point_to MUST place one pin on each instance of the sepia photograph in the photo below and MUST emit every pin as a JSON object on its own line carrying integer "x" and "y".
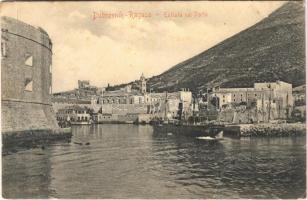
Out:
{"x": 153, "y": 100}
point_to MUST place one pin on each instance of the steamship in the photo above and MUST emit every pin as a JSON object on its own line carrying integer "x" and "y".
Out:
{"x": 183, "y": 127}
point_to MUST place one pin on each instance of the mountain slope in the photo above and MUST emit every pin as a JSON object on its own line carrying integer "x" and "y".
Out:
{"x": 273, "y": 49}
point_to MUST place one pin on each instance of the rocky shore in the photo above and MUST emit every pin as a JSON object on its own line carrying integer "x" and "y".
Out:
{"x": 266, "y": 130}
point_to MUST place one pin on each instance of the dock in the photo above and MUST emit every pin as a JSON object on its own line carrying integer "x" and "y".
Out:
{"x": 265, "y": 130}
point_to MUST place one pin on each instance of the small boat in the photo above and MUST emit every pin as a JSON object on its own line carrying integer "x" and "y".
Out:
{"x": 219, "y": 136}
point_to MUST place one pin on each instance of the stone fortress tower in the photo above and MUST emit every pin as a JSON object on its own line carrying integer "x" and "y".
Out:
{"x": 26, "y": 78}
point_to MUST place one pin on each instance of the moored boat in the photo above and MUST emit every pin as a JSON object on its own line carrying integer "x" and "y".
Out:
{"x": 180, "y": 125}
{"x": 201, "y": 130}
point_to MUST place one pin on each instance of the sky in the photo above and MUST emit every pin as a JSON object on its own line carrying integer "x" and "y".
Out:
{"x": 115, "y": 42}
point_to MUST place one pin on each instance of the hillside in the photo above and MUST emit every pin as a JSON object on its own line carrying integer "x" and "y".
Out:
{"x": 273, "y": 49}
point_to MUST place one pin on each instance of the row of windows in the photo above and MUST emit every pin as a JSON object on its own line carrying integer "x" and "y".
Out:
{"x": 82, "y": 118}
{"x": 241, "y": 95}
{"x": 78, "y": 118}
{"x": 72, "y": 111}
{"x": 124, "y": 101}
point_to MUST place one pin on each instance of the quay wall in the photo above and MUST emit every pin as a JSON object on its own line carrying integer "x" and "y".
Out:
{"x": 26, "y": 78}
{"x": 266, "y": 130}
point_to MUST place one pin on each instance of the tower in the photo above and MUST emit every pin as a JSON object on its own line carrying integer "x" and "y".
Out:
{"x": 26, "y": 78}
{"x": 143, "y": 84}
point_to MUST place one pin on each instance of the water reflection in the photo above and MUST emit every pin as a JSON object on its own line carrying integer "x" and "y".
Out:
{"x": 128, "y": 161}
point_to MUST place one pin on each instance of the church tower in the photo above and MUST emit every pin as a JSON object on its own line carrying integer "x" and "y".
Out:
{"x": 143, "y": 84}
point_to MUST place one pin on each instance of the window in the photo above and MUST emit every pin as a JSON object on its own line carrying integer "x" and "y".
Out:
{"x": 50, "y": 68}
{"x": 29, "y": 61}
{"x": 29, "y": 85}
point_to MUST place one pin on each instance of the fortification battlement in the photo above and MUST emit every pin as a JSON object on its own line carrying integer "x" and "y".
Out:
{"x": 21, "y": 29}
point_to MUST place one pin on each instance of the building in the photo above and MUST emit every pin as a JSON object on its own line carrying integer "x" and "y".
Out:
{"x": 126, "y": 95}
{"x": 122, "y": 96}
{"x": 272, "y": 100}
{"x": 59, "y": 103}
{"x": 72, "y": 114}
{"x": 143, "y": 87}
{"x": 85, "y": 95}
{"x": 84, "y": 91}
{"x": 26, "y": 77}
{"x": 105, "y": 118}
{"x": 299, "y": 95}
{"x": 279, "y": 94}
{"x": 128, "y": 101}
{"x": 171, "y": 105}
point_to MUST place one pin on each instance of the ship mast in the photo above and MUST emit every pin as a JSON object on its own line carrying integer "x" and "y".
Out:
{"x": 165, "y": 109}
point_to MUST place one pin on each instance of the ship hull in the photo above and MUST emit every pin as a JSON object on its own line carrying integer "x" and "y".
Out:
{"x": 188, "y": 130}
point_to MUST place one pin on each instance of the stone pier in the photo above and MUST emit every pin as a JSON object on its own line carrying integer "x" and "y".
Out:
{"x": 265, "y": 130}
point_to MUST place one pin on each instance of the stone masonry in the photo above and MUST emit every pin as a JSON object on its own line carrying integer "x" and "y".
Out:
{"x": 26, "y": 77}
